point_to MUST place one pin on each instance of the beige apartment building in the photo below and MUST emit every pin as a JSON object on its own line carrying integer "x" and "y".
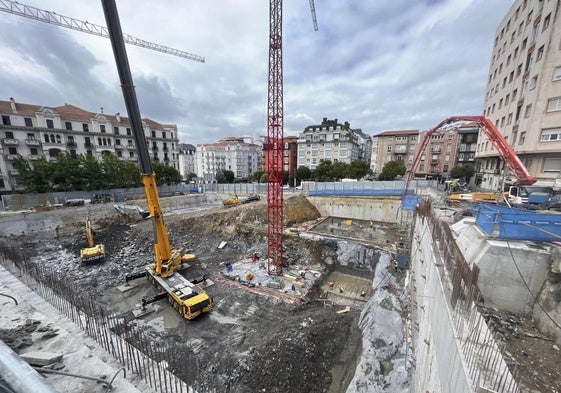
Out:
{"x": 398, "y": 145}
{"x": 523, "y": 96}
{"x": 34, "y": 131}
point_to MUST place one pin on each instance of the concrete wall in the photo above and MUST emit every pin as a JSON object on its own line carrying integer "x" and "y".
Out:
{"x": 505, "y": 267}
{"x": 382, "y": 209}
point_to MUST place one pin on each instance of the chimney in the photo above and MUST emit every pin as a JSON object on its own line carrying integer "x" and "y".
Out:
{"x": 13, "y": 105}
{"x": 101, "y": 110}
{"x": 118, "y": 117}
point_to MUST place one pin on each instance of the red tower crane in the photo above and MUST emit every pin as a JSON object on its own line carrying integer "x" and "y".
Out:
{"x": 274, "y": 146}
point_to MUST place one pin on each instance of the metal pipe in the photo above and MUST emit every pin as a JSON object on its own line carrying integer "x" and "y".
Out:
{"x": 51, "y": 371}
{"x": 19, "y": 375}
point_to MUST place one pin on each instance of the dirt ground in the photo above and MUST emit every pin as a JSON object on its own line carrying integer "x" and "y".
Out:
{"x": 249, "y": 342}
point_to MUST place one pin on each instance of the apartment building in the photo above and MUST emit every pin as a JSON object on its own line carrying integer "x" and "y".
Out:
{"x": 397, "y": 145}
{"x": 332, "y": 141}
{"x": 237, "y": 154}
{"x": 523, "y": 96}
{"x": 186, "y": 159}
{"x": 34, "y": 132}
{"x": 442, "y": 151}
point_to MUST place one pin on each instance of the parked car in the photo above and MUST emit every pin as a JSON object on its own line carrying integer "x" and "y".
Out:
{"x": 555, "y": 203}
{"x": 251, "y": 198}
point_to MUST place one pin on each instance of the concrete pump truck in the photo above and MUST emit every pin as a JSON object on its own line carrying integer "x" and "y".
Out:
{"x": 188, "y": 298}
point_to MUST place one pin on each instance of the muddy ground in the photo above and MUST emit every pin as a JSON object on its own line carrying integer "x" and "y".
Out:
{"x": 249, "y": 342}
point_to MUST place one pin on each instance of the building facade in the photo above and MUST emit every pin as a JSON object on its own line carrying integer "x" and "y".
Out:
{"x": 33, "y": 132}
{"x": 398, "y": 145}
{"x": 237, "y": 154}
{"x": 186, "y": 159}
{"x": 523, "y": 96}
{"x": 440, "y": 154}
{"x": 329, "y": 140}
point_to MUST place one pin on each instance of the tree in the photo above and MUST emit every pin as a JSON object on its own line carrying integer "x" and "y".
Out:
{"x": 359, "y": 169}
{"x": 257, "y": 175}
{"x": 391, "y": 170}
{"x": 166, "y": 174}
{"x": 303, "y": 173}
{"x": 463, "y": 171}
{"x": 191, "y": 176}
{"x": 37, "y": 178}
{"x": 323, "y": 170}
{"x": 264, "y": 177}
{"x": 221, "y": 178}
{"x": 230, "y": 176}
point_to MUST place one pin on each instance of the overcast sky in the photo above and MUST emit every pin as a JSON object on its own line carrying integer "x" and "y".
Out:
{"x": 378, "y": 64}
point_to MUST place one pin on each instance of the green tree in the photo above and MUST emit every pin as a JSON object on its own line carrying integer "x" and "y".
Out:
{"x": 38, "y": 178}
{"x": 221, "y": 177}
{"x": 359, "y": 169}
{"x": 323, "y": 170}
{"x": 230, "y": 176}
{"x": 68, "y": 175}
{"x": 166, "y": 174}
{"x": 191, "y": 176}
{"x": 257, "y": 175}
{"x": 463, "y": 171}
{"x": 92, "y": 172}
{"x": 303, "y": 173}
{"x": 391, "y": 170}
{"x": 339, "y": 170}
{"x": 264, "y": 177}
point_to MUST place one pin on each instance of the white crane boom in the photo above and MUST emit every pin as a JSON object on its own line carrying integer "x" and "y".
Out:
{"x": 15, "y": 8}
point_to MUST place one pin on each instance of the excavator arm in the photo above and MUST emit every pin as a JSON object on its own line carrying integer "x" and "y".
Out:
{"x": 89, "y": 233}
{"x": 507, "y": 153}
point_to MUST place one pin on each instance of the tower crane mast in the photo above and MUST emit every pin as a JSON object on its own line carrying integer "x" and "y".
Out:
{"x": 27, "y": 11}
{"x": 275, "y": 139}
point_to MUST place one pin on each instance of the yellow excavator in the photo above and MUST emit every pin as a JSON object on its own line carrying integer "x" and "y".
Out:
{"x": 92, "y": 253}
{"x": 187, "y": 297}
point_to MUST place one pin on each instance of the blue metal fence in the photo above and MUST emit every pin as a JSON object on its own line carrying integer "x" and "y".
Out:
{"x": 511, "y": 223}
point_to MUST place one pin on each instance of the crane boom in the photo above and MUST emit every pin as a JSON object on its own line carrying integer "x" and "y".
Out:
{"x": 314, "y": 18}
{"x": 507, "y": 153}
{"x": 27, "y": 11}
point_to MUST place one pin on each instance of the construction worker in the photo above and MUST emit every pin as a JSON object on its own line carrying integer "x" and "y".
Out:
{"x": 362, "y": 293}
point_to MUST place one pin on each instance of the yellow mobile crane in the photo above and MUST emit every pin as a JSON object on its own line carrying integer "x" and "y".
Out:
{"x": 92, "y": 253}
{"x": 189, "y": 299}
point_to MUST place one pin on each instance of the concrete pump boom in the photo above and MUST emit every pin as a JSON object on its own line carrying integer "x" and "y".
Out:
{"x": 508, "y": 154}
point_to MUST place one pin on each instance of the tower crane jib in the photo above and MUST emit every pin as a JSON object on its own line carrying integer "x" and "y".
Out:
{"x": 26, "y": 11}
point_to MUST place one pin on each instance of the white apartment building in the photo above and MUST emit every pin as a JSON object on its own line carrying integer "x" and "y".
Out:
{"x": 332, "y": 141}
{"x": 186, "y": 159}
{"x": 523, "y": 96}
{"x": 33, "y": 131}
{"x": 237, "y": 154}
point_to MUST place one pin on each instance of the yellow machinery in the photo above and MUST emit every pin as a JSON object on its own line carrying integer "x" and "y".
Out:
{"x": 232, "y": 202}
{"x": 92, "y": 253}
{"x": 475, "y": 196}
{"x": 189, "y": 299}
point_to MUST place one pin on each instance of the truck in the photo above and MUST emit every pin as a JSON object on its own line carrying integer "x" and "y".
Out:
{"x": 188, "y": 298}
{"x": 512, "y": 194}
{"x": 93, "y": 252}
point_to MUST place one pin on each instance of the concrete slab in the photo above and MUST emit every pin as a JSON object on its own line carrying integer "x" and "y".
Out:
{"x": 41, "y": 358}
{"x": 127, "y": 287}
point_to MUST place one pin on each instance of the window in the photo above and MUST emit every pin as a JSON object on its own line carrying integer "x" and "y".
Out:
{"x": 68, "y": 125}
{"x": 389, "y": 149}
{"x": 154, "y": 135}
{"x": 514, "y": 92}
{"x": 557, "y": 73}
{"x": 46, "y": 138}
{"x": 28, "y": 122}
{"x": 33, "y": 151}
{"x": 550, "y": 135}
{"x": 528, "y": 110}
{"x": 500, "y": 103}
{"x": 129, "y": 131}
{"x": 50, "y": 123}
{"x": 31, "y": 136}
{"x": 116, "y": 130}
{"x": 552, "y": 165}
{"x": 12, "y": 151}
{"x": 522, "y": 138}
{"x": 9, "y": 135}
{"x": 6, "y": 120}
{"x": 518, "y": 111}
{"x": 102, "y": 128}
{"x": 540, "y": 53}
{"x": 533, "y": 82}
{"x": 514, "y": 136}
{"x": 85, "y": 127}
{"x": 546, "y": 22}
{"x": 524, "y": 43}
{"x": 507, "y": 99}
{"x": 503, "y": 121}
{"x": 554, "y": 104}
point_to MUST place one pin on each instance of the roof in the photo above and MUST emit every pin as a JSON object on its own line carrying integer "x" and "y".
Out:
{"x": 398, "y": 133}
{"x": 72, "y": 112}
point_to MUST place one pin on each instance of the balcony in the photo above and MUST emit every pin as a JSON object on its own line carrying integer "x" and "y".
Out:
{"x": 35, "y": 157}
{"x": 434, "y": 162}
{"x": 32, "y": 142}
{"x": 119, "y": 147}
{"x": 71, "y": 144}
{"x": 133, "y": 159}
{"x": 14, "y": 172}
{"x": 10, "y": 141}
{"x": 165, "y": 149}
{"x": 12, "y": 157}
{"x": 88, "y": 145}
{"x": 131, "y": 147}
